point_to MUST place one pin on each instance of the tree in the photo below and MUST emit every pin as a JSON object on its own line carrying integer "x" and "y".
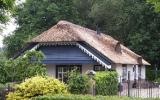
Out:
{"x": 117, "y": 18}
{"x": 132, "y": 22}
{"x": 2, "y": 55}
{"x": 34, "y": 17}
{"x": 6, "y": 6}
{"x": 146, "y": 37}
{"x": 22, "y": 67}
{"x": 156, "y": 4}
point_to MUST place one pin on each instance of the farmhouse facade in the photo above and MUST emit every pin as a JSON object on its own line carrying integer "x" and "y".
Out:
{"x": 67, "y": 46}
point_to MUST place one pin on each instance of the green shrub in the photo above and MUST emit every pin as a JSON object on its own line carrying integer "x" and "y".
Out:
{"x": 106, "y": 83}
{"x": 36, "y": 86}
{"x": 78, "y": 84}
{"x": 86, "y": 97}
{"x": 5, "y": 88}
{"x": 2, "y": 72}
{"x": 157, "y": 80}
{"x": 1, "y": 86}
{"x": 23, "y": 66}
{"x": 151, "y": 74}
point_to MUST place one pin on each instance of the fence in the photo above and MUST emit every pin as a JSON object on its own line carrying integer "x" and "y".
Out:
{"x": 139, "y": 88}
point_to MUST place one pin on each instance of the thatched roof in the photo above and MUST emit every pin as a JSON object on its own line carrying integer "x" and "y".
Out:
{"x": 65, "y": 31}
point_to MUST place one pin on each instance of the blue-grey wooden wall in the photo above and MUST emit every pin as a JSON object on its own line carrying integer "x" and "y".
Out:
{"x": 69, "y": 54}
{"x": 65, "y": 54}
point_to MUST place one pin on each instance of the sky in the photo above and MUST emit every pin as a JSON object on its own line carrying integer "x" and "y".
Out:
{"x": 10, "y": 26}
{"x": 8, "y": 29}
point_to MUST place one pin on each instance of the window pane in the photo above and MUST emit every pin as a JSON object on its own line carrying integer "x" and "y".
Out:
{"x": 99, "y": 68}
{"x": 139, "y": 72}
{"x": 64, "y": 69}
{"x": 124, "y": 72}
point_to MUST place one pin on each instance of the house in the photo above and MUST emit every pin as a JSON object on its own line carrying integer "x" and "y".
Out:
{"x": 67, "y": 46}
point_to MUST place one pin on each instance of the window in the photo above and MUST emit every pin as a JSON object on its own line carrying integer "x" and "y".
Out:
{"x": 124, "y": 72}
{"x": 99, "y": 68}
{"x": 134, "y": 68}
{"x": 139, "y": 71}
{"x": 62, "y": 71}
{"x": 135, "y": 72}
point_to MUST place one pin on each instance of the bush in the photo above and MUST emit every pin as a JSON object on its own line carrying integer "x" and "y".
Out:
{"x": 106, "y": 83}
{"x": 5, "y": 88}
{"x": 7, "y": 85}
{"x": 1, "y": 86}
{"x": 86, "y": 97}
{"x": 157, "y": 80}
{"x": 36, "y": 86}
{"x": 151, "y": 74}
{"x": 78, "y": 84}
{"x": 2, "y": 72}
{"x": 23, "y": 66}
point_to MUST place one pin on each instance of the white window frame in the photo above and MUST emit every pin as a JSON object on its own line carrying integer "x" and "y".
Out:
{"x": 60, "y": 70}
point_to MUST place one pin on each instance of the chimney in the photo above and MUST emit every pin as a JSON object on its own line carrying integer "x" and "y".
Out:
{"x": 118, "y": 47}
{"x": 139, "y": 60}
{"x": 98, "y": 29}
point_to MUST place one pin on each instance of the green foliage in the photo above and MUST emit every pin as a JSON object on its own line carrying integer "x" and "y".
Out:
{"x": 156, "y": 4}
{"x": 139, "y": 42}
{"x": 22, "y": 67}
{"x": 37, "y": 16}
{"x": 110, "y": 16}
{"x": 157, "y": 80}
{"x": 2, "y": 56}
{"x": 37, "y": 86}
{"x": 106, "y": 83}
{"x": 78, "y": 84}
{"x": 87, "y": 97}
{"x": 133, "y": 22}
{"x": 152, "y": 75}
{"x": 2, "y": 73}
{"x": 5, "y": 7}
{"x": 1, "y": 86}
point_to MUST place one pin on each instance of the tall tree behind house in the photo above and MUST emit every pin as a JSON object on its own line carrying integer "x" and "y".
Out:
{"x": 133, "y": 22}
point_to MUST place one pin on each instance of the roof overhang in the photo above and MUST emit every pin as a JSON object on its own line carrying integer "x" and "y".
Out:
{"x": 80, "y": 46}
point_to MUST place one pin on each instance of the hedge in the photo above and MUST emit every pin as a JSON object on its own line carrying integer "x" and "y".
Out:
{"x": 78, "y": 84}
{"x": 106, "y": 83}
{"x": 86, "y": 97}
{"x": 80, "y": 97}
